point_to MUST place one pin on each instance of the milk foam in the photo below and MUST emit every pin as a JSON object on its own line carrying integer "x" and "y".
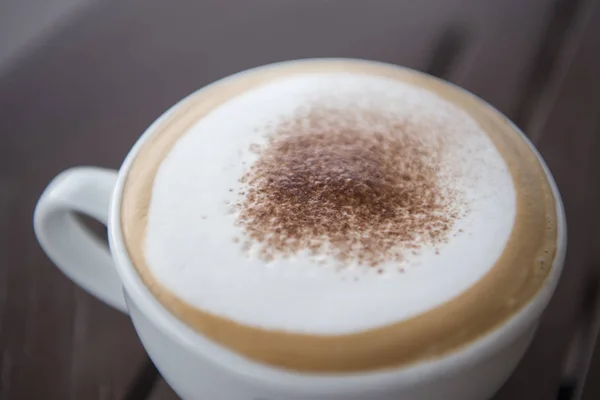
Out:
{"x": 193, "y": 245}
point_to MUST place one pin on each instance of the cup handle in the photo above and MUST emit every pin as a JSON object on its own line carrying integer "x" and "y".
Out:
{"x": 78, "y": 253}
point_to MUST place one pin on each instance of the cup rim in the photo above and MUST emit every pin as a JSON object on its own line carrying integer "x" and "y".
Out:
{"x": 490, "y": 342}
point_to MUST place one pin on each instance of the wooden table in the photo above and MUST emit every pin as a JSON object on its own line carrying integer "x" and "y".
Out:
{"x": 86, "y": 93}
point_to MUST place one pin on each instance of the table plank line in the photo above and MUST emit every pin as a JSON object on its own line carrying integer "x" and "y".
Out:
{"x": 447, "y": 50}
{"x": 560, "y": 24}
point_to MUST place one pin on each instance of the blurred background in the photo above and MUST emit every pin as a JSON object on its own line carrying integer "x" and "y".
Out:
{"x": 80, "y": 80}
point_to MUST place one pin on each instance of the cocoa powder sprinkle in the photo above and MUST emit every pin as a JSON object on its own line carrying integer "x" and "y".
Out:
{"x": 354, "y": 184}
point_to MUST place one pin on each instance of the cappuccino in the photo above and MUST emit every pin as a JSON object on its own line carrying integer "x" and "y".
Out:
{"x": 337, "y": 216}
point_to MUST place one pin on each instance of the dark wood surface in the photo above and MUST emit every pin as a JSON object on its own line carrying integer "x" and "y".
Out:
{"x": 89, "y": 90}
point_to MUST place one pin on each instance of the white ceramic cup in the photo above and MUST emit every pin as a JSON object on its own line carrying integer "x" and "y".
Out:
{"x": 197, "y": 368}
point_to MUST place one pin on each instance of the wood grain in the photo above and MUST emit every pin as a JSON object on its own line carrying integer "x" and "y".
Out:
{"x": 504, "y": 37}
{"x": 569, "y": 144}
{"x": 591, "y": 390}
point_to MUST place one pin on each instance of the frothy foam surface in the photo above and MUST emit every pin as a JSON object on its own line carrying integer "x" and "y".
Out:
{"x": 216, "y": 237}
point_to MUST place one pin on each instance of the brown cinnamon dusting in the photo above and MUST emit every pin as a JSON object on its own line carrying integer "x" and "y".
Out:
{"x": 355, "y": 184}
